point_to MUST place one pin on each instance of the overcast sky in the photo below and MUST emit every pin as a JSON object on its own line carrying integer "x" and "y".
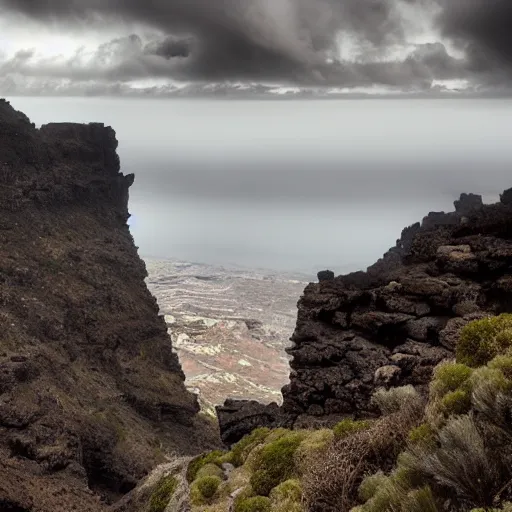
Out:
{"x": 135, "y": 46}
{"x": 293, "y": 185}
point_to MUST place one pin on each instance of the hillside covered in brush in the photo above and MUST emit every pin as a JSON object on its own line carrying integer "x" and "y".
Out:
{"x": 451, "y": 451}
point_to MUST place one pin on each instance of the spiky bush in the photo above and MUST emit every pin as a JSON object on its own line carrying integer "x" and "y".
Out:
{"x": 392, "y": 400}
{"x": 463, "y": 464}
{"x": 493, "y": 404}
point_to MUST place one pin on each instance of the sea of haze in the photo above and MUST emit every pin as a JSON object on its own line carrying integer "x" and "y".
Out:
{"x": 296, "y": 185}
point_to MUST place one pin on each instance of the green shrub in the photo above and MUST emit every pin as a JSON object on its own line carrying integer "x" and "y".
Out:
{"x": 276, "y": 463}
{"x": 255, "y": 504}
{"x": 163, "y": 492}
{"x": 241, "y": 449}
{"x": 287, "y": 497}
{"x": 288, "y": 490}
{"x": 391, "y": 492}
{"x": 449, "y": 377}
{"x": 287, "y": 506}
{"x": 482, "y": 340}
{"x": 456, "y": 402}
{"x": 503, "y": 363}
{"x": 315, "y": 442}
{"x": 370, "y": 485}
{"x": 202, "y": 460}
{"x": 208, "y": 485}
{"x": 348, "y": 426}
{"x": 276, "y": 434}
{"x": 210, "y": 470}
{"x": 424, "y": 435}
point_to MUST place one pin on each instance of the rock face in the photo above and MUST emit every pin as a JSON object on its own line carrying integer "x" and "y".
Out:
{"x": 392, "y": 324}
{"x": 91, "y": 393}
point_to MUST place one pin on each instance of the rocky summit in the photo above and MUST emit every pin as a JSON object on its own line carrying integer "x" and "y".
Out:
{"x": 391, "y": 325}
{"x": 92, "y": 396}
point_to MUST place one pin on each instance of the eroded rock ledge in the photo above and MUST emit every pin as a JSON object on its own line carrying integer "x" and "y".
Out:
{"x": 91, "y": 394}
{"x": 393, "y": 323}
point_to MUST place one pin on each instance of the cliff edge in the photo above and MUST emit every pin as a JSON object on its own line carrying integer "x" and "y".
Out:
{"x": 391, "y": 325}
{"x": 92, "y": 395}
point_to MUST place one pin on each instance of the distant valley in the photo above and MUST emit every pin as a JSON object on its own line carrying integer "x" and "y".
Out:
{"x": 229, "y": 327}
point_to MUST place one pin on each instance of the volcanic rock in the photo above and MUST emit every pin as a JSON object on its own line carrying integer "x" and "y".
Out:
{"x": 392, "y": 324}
{"x": 325, "y": 275}
{"x": 91, "y": 394}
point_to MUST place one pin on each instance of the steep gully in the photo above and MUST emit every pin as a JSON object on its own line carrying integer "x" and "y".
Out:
{"x": 91, "y": 394}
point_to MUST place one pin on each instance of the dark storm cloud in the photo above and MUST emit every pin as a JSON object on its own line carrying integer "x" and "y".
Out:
{"x": 271, "y": 39}
{"x": 483, "y": 25}
{"x": 170, "y": 47}
{"x": 281, "y": 40}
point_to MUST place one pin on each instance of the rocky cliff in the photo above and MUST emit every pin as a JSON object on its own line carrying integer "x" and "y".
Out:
{"x": 392, "y": 324}
{"x": 91, "y": 394}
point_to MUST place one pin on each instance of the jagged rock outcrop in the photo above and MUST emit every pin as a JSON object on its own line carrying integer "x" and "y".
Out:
{"x": 393, "y": 323}
{"x": 239, "y": 417}
{"x": 91, "y": 393}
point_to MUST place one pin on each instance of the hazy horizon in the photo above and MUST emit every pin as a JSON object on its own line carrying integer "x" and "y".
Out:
{"x": 297, "y": 186}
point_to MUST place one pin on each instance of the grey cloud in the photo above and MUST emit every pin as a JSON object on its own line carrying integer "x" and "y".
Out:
{"x": 170, "y": 47}
{"x": 126, "y": 59}
{"x": 483, "y": 25}
{"x": 278, "y": 40}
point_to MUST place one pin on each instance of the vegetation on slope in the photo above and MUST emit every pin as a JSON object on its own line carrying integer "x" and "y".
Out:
{"x": 451, "y": 453}
{"x": 460, "y": 458}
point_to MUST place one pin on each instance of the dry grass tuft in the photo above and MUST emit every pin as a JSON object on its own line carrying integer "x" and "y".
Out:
{"x": 333, "y": 480}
